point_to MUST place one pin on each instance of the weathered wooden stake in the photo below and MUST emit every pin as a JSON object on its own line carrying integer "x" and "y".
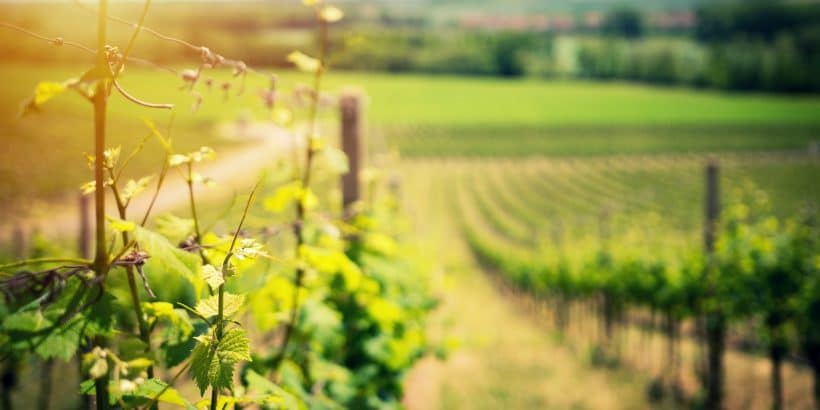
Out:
{"x": 84, "y": 236}
{"x": 715, "y": 320}
{"x": 350, "y": 104}
{"x": 712, "y": 206}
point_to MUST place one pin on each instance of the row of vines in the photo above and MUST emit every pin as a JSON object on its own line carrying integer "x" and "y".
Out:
{"x": 619, "y": 242}
{"x": 286, "y": 299}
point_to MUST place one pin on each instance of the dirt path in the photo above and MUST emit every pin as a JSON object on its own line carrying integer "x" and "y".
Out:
{"x": 505, "y": 361}
{"x": 234, "y": 172}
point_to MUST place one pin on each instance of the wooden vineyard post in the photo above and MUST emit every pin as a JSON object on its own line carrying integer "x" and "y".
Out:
{"x": 84, "y": 234}
{"x": 715, "y": 320}
{"x": 712, "y": 206}
{"x": 352, "y": 141}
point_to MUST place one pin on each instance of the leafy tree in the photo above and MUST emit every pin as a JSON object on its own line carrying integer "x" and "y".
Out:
{"x": 623, "y": 22}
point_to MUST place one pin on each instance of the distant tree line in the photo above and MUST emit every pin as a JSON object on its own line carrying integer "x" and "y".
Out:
{"x": 755, "y": 46}
{"x": 447, "y": 52}
{"x": 749, "y": 45}
{"x": 770, "y": 46}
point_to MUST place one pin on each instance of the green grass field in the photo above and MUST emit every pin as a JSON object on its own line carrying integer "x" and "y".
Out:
{"x": 475, "y": 101}
{"x": 635, "y": 152}
{"x": 419, "y": 115}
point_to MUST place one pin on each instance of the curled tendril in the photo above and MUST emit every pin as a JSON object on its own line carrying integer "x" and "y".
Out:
{"x": 137, "y": 258}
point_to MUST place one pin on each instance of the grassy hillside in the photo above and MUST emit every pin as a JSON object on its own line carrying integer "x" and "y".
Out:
{"x": 419, "y": 115}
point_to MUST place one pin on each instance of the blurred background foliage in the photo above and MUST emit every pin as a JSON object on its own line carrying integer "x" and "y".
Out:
{"x": 765, "y": 45}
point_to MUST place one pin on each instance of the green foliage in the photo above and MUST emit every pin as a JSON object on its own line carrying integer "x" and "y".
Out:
{"x": 209, "y": 307}
{"x": 623, "y": 22}
{"x": 452, "y": 52}
{"x": 157, "y": 389}
{"x": 47, "y": 90}
{"x": 212, "y": 361}
{"x": 759, "y": 278}
{"x": 168, "y": 262}
{"x": 755, "y": 19}
{"x": 168, "y": 292}
{"x": 275, "y": 396}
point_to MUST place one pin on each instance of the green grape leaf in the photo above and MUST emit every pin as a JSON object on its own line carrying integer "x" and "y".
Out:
{"x": 288, "y": 194}
{"x": 223, "y": 402}
{"x": 212, "y": 363}
{"x": 62, "y": 343}
{"x": 201, "y": 358}
{"x": 133, "y": 188}
{"x": 381, "y": 243}
{"x": 269, "y": 304}
{"x": 45, "y": 91}
{"x": 131, "y": 347}
{"x": 159, "y": 310}
{"x": 220, "y": 374}
{"x": 174, "y": 228}
{"x": 210, "y": 307}
{"x": 178, "y": 329}
{"x": 26, "y": 321}
{"x": 283, "y": 197}
{"x": 87, "y": 386}
{"x": 234, "y": 346}
{"x": 101, "y": 319}
{"x": 271, "y": 394}
{"x": 203, "y": 154}
{"x": 111, "y": 156}
{"x": 212, "y": 276}
{"x": 153, "y": 387}
{"x": 119, "y": 225}
{"x": 175, "y": 349}
{"x": 249, "y": 248}
{"x": 166, "y": 259}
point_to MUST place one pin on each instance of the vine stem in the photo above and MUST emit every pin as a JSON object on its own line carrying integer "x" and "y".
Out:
{"x": 219, "y": 328}
{"x": 166, "y": 143}
{"x": 77, "y": 261}
{"x": 300, "y": 208}
{"x": 220, "y": 325}
{"x": 189, "y": 180}
{"x": 142, "y": 327}
{"x": 144, "y": 332}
